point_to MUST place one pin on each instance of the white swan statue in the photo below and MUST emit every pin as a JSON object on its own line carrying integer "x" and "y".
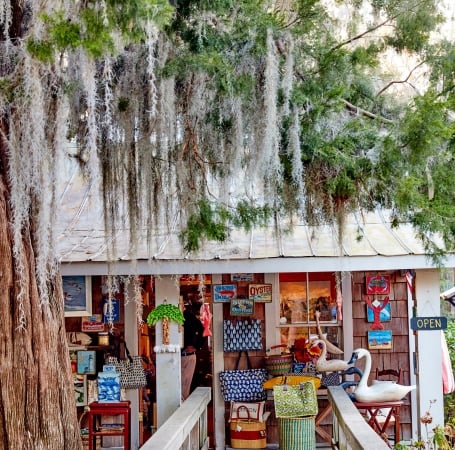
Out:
{"x": 331, "y": 365}
{"x": 387, "y": 391}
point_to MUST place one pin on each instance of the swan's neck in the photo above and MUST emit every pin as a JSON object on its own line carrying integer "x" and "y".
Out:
{"x": 366, "y": 373}
{"x": 324, "y": 351}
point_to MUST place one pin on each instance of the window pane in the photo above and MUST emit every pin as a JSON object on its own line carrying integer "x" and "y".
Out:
{"x": 293, "y": 302}
{"x": 321, "y": 300}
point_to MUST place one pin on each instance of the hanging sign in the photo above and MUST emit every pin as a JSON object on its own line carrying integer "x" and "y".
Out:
{"x": 428, "y": 323}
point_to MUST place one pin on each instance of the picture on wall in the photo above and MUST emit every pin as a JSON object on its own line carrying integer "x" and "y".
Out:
{"x": 80, "y": 389}
{"x": 384, "y": 316}
{"x": 77, "y": 294}
{"x": 380, "y": 340}
{"x": 224, "y": 292}
{"x": 260, "y": 292}
{"x": 86, "y": 363}
{"x": 378, "y": 284}
{"x": 242, "y": 307}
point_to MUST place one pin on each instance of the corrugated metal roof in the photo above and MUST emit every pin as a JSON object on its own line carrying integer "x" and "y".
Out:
{"x": 81, "y": 239}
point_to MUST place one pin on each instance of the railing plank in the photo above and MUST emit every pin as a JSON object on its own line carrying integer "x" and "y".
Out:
{"x": 355, "y": 433}
{"x": 175, "y": 431}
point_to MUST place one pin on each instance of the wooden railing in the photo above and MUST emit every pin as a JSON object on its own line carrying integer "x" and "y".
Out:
{"x": 186, "y": 429}
{"x": 350, "y": 430}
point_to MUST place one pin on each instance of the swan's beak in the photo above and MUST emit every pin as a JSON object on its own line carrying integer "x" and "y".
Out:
{"x": 354, "y": 358}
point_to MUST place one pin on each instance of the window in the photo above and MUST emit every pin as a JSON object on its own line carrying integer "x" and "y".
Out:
{"x": 301, "y": 295}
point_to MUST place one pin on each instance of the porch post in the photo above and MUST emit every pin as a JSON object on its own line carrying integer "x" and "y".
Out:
{"x": 168, "y": 376}
{"x": 429, "y": 354}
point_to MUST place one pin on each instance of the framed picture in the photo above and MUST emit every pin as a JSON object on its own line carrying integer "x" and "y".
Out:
{"x": 242, "y": 307}
{"x": 77, "y": 294}
{"x": 384, "y": 316}
{"x": 86, "y": 363}
{"x": 80, "y": 389}
{"x": 224, "y": 292}
{"x": 260, "y": 292}
{"x": 378, "y": 284}
{"x": 380, "y": 340}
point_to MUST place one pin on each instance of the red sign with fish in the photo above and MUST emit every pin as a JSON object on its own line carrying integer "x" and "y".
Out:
{"x": 224, "y": 292}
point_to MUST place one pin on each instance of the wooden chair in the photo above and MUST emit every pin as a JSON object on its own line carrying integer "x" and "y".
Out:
{"x": 389, "y": 375}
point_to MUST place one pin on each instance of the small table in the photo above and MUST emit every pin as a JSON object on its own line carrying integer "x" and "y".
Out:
{"x": 97, "y": 410}
{"x": 381, "y": 423}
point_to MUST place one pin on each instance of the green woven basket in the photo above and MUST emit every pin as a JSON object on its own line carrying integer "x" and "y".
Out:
{"x": 297, "y": 433}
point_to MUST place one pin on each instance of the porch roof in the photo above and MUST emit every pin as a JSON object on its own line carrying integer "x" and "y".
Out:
{"x": 369, "y": 242}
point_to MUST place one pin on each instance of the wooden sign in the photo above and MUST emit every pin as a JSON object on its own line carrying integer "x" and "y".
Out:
{"x": 428, "y": 323}
{"x": 260, "y": 292}
{"x": 242, "y": 307}
{"x": 378, "y": 284}
{"x": 224, "y": 292}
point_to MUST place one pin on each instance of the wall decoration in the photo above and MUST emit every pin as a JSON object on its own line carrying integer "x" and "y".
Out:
{"x": 378, "y": 284}
{"x": 92, "y": 324}
{"x": 111, "y": 310}
{"x": 260, "y": 292}
{"x": 376, "y": 307}
{"x": 86, "y": 363}
{"x": 385, "y": 314}
{"x": 380, "y": 340}
{"x": 224, "y": 292}
{"x": 77, "y": 295}
{"x": 80, "y": 389}
{"x": 242, "y": 307}
{"x": 242, "y": 277}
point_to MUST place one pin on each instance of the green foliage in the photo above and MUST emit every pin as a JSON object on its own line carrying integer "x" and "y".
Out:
{"x": 95, "y": 29}
{"x": 449, "y": 399}
{"x": 214, "y": 222}
{"x": 361, "y": 145}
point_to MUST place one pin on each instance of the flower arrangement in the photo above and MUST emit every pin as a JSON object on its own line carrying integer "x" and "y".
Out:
{"x": 306, "y": 351}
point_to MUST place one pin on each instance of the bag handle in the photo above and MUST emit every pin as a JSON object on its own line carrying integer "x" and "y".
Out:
{"x": 128, "y": 354}
{"x": 247, "y": 412}
{"x": 248, "y": 362}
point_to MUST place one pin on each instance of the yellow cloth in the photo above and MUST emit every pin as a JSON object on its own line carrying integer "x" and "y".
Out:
{"x": 291, "y": 380}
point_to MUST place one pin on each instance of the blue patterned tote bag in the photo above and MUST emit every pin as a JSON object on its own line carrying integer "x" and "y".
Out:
{"x": 243, "y": 385}
{"x": 239, "y": 335}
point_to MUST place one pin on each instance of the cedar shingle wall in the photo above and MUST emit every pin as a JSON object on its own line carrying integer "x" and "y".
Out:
{"x": 398, "y": 357}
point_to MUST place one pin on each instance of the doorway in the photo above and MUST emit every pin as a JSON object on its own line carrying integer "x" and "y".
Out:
{"x": 196, "y": 296}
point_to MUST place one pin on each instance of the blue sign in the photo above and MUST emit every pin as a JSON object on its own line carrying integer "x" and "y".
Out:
{"x": 428, "y": 323}
{"x": 111, "y": 310}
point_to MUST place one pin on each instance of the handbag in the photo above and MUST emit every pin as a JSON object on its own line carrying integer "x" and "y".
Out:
{"x": 295, "y": 401}
{"x": 248, "y": 432}
{"x": 243, "y": 385}
{"x": 131, "y": 370}
{"x": 241, "y": 335}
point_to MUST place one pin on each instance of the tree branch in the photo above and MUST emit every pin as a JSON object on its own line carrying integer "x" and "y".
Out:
{"x": 400, "y": 82}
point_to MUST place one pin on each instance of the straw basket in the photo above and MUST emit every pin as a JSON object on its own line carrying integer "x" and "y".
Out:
{"x": 297, "y": 433}
{"x": 248, "y": 433}
{"x": 279, "y": 364}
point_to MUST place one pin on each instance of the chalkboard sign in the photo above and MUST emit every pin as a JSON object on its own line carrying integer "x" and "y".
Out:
{"x": 428, "y": 323}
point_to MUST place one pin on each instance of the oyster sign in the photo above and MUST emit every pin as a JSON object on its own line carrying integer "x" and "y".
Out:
{"x": 260, "y": 292}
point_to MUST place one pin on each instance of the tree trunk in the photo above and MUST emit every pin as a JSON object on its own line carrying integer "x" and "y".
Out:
{"x": 37, "y": 402}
